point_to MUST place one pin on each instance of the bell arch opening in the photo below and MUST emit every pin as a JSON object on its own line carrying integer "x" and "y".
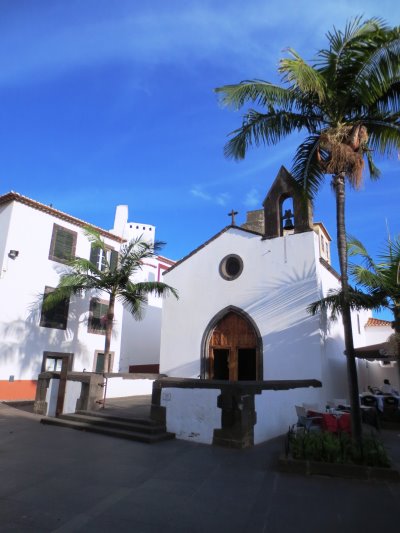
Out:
{"x": 286, "y": 215}
{"x": 232, "y": 348}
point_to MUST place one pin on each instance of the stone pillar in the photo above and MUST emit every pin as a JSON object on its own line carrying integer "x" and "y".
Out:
{"x": 91, "y": 393}
{"x": 157, "y": 411}
{"x": 237, "y": 420}
{"x": 40, "y": 406}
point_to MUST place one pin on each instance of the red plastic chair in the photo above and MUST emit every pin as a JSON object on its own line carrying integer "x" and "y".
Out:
{"x": 344, "y": 423}
{"x": 330, "y": 423}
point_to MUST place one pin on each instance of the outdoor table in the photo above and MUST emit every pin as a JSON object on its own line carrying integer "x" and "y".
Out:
{"x": 336, "y": 421}
{"x": 380, "y": 399}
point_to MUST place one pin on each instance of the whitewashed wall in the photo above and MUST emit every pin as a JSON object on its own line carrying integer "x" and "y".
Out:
{"x": 333, "y": 361}
{"x": 5, "y": 217}
{"x": 140, "y": 339}
{"x": 51, "y": 396}
{"x": 72, "y": 394}
{"x": 377, "y": 334}
{"x": 372, "y": 373}
{"x": 192, "y": 414}
{"x": 276, "y": 411}
{"x": 140, "y": 343}
{"x": 22, "y": 340}
{"x": 121, "y": 387}
{"x": 277, "y": 283}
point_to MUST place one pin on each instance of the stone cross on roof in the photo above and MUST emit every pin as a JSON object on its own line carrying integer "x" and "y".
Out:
{"x": 232, "y": 214}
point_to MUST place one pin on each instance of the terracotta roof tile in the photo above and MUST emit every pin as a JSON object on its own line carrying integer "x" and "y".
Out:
{"x": 371, "y": 322}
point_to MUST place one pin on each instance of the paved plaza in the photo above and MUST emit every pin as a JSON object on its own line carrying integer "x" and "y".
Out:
{"x": 61, "y": 480}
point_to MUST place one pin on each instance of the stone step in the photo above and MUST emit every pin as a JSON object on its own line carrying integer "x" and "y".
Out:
{"x": 125, "y": 424}
{"x": 105, "y": 415}
{"x": 139, "y": 436}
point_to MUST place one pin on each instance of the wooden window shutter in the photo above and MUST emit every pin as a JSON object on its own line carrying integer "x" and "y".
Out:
{"x": 57, "y": 316}
{"x": 95, "y": 255}
{"x": 113, "y": 259}
{"x": 63, "y": 244}
{"x": 98, "y": 310}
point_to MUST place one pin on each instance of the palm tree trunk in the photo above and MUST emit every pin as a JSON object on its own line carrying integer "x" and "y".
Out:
{"x": 109, "y": 327}
{"x": 339, "y": 186}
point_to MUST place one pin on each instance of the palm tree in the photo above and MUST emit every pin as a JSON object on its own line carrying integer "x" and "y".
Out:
{"x": 348, "y": 103}
{"x": 115, "y": 275}
{"x": 379, "y": 283}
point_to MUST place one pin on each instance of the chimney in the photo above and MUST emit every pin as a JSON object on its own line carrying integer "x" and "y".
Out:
{"x": 120, "y": 220}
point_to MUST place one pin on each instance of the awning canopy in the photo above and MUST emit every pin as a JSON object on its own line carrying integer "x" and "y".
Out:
{"x": 375, "y": 351}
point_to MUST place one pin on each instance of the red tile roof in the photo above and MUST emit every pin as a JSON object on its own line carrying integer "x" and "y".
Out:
{"x": 371, "y": 322}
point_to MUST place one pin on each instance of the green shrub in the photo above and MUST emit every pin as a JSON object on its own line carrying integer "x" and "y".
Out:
{"x": 331, "y": 448}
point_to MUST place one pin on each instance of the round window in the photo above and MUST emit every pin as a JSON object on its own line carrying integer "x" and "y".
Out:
{"x": 231, "y": 267}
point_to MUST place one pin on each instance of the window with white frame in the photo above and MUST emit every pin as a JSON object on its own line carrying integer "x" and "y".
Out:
{"x": 101, "y": 257}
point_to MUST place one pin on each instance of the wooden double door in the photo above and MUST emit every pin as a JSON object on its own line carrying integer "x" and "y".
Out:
{"x": 233, "y": 351}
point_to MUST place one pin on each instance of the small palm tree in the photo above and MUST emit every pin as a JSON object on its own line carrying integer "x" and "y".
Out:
{"x": 348, "y": 103}
{"x": 379, "y": 283}
{"x": 114, "y": 276}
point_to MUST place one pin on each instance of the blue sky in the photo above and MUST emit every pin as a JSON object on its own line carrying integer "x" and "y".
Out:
{"x": 111, "y": 101}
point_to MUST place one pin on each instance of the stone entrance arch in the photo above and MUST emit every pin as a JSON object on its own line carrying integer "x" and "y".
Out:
{"x": 232, "y": 347}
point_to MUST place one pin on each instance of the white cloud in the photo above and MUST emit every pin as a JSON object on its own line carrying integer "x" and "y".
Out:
{"x": 222, "y": 198}
{"x": 248, "y": 36}
{"x": 252, "y": 198}
{"x": 196, "y": 191}
{"x": 219, "y": 199}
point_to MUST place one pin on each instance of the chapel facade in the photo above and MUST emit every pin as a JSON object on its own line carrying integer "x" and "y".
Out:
{"x": 242, "y": 313}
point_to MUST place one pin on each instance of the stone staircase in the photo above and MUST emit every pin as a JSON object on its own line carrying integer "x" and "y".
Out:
{"x": 137, "y": 429}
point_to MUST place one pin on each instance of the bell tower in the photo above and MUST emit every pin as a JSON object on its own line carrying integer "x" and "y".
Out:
{"x": 278, "y": 223}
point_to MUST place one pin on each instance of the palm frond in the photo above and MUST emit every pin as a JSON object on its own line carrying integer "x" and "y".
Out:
{"x": 269, "y": 129}
{"x": 300, "y": 74}
{"x": 83, "y": 265}
{"x": 259, "y": 92}
{"x": 380, "y": 68}
{"x": 356, "y": 247}
{"x": 387, "y": 104}
{"x": 344, "y": 45}
{"x": 335, "y": 300}
{"x": 67, "y": 287}
{"x": 374, "y": 172}
{"x": 93, "y": 235}
{"x": 135, "y": 303}
{"x": 307, "y": 169}
{"x": 156, "y": 288}
{"x": 378, "y": 278}
{"x": 384, "y": 137}
{"x": 366, "y": 278}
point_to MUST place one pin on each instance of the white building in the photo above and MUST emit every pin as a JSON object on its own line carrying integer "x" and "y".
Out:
{"x": 242, "y": 315}
{"x": 140, "y": 340}
{"x": 377, "y": 363}
{"x": 36, "y": 241}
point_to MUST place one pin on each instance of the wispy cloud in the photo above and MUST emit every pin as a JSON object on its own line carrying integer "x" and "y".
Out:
{"x": 62, "y": 36}
{"x": 219, "y": 199}
{"x": 252, "y": 198}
